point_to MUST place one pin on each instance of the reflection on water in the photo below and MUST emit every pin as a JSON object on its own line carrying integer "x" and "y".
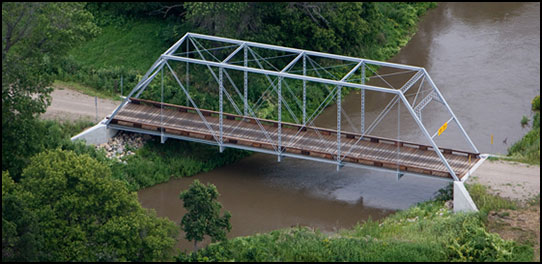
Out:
{"x": 484, "y": 58}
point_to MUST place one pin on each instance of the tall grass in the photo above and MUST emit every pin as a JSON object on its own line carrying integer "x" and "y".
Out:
{"x": 488, "y": 202}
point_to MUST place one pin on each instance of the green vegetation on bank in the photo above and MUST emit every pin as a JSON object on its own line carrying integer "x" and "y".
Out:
{"x": 425, "y": 232}
{"x": 156, "y": 163}
{"x": 527, "y": 150}
{"x": 487, "y": 202}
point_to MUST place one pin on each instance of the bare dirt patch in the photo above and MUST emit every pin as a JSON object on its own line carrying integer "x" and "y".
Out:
{"x": 522, "y": 225}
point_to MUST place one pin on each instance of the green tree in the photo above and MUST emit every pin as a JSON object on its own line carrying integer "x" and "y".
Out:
{"x": 35, "y": 38}
{"x": 18, "y": 223}
{"x": 85, "y": 215}
{"x": 203, "y": 214}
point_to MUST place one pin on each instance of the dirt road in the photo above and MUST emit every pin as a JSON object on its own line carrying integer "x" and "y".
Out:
{"x": 73, "y": 105}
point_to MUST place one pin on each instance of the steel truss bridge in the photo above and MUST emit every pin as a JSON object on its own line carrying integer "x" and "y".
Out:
{"x": 300, "y": 138}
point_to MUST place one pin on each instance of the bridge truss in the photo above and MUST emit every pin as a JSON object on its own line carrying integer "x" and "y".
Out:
{"x": 249, "y": 61}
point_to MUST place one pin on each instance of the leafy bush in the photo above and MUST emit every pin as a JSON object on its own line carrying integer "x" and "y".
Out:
{"x": 535, "y": 104}
{"x": 524, "y": 121}
{"x": 446, "y": 193}
{"x": 38, "y": 136}
{"x": 474, "y": 243}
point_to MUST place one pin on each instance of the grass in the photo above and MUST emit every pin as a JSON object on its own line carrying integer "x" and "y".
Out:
{"x": 134, "y": 45}
{"x": 125, "y": 50}
{"x": 487, "y": 202}
{"x": 104, "y": 94}
{"x": 524, "y": 121}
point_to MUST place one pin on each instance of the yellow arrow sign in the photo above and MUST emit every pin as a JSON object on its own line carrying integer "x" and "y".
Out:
{"x": 442, "y": 128}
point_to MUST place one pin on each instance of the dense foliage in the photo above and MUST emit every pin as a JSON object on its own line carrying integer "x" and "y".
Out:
{"x": 203, "y": 214}
{"x": 81, "y": 214}
{"x": 35, "y": 37}
{"x": 19, "y": 223}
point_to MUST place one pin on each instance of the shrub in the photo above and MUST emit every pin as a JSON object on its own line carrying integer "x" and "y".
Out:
{"x": 535, "y": 104}
{"x": 524, "y": 121}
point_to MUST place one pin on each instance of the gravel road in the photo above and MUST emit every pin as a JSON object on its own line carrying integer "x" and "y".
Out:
{"x": 73, "y": 105}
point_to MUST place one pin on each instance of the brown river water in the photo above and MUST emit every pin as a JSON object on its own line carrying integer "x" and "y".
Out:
{"x": 485, "y": 60}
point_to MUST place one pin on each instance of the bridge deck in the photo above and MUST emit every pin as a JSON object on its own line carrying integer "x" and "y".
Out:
{"x": 320, "y": 142}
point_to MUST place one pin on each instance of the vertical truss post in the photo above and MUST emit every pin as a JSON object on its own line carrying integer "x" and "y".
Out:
{"x": 339, "y": 127}
{"x": 304, "y": 89}
{"x": 399, "y": 174}
{"x": 280, "y": 119}
{"x": 121, "y": 87}
{"x": 221, "y": 103}
{"x": 246, "y": 81}
{"x": 187, "y": 69}
{"x": 362, "y": 100}
{"x": 162, "y": 138}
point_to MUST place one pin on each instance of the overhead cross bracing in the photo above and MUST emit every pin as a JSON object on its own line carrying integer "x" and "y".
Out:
{"x": 299, "y": 137}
